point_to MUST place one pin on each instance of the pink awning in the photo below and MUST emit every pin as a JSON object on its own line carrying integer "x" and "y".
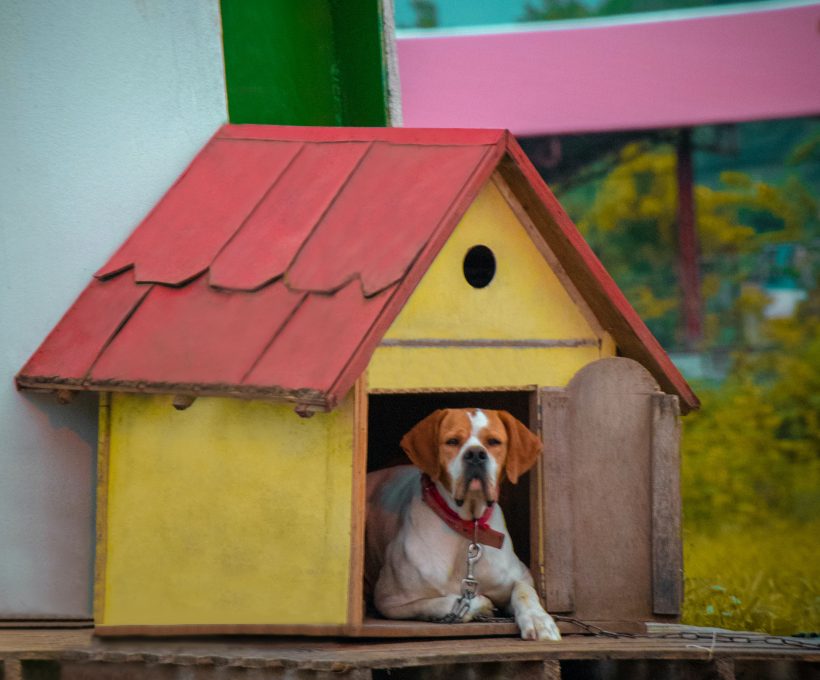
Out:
{"x": 593, "y": 76}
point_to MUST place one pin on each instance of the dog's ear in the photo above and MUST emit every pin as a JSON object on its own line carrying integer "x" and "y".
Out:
{"x": 523, "y": 447}
{"x": 421, "y": 444}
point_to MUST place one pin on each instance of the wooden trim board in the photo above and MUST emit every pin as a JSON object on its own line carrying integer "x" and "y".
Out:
{"x": 358, "y": 512}
{"x": 452, "y": 390}
{"x": 556, "y": 511}
{"x": 369, "y": 628}
{"x": 480, "y": 343}
{"x": 667, "y": 560}
{"x": 537, "y": 563}
{"x": 101, "y": 530}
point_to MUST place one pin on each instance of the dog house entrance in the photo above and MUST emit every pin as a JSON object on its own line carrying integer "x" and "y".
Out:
{"x": 390, "y": 416}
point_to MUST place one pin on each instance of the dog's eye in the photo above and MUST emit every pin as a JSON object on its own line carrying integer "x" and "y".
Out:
{"x": 493, "y": 442}
{"x": 452, "y": 442}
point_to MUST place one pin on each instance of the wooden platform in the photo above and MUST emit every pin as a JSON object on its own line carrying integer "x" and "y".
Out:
{"x": 29, "y": 654}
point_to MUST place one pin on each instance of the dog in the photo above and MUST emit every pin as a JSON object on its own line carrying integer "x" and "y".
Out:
{"x": 421, "y": 521}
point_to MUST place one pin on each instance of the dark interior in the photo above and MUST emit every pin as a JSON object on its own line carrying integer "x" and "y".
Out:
{"x": 392, "y": 415}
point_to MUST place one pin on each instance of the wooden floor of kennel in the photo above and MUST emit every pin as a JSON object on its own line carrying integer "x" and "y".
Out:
{"x": 667, "y": 652}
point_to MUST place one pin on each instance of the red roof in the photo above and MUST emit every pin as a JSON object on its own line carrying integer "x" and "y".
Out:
{"x": 275, "y": 264}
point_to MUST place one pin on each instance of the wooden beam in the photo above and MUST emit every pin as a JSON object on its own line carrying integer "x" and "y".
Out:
{"x": 103, "y": 455}
{"x": 358, "y": 511}
{"x": 533, "y": 343}
{"x": 667, "y": 558}
{"x": 557, "y": 495}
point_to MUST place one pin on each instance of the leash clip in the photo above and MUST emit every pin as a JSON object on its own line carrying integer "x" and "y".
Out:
{"x": 469, "y": 584}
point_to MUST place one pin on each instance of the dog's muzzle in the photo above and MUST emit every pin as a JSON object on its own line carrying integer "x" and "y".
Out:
{"x": 474, "y": 463}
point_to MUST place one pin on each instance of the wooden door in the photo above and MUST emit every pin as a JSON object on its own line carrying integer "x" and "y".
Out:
{"x": 611, "y": 496}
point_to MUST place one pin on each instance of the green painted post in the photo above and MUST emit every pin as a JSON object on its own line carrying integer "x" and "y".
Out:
{"x": 305, "y": 62}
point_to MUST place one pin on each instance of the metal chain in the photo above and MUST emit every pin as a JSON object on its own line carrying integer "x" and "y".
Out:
{"x": 469, "y": 589}
{"x": 731, "y": 637}
{"x": 692, "y": 636}
{"x": 469, "y": 584}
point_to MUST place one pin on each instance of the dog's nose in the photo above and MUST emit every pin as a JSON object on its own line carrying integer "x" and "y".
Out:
{"x": 475, "y": 456}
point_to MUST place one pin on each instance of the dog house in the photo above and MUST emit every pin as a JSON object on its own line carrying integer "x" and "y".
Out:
{"x": 298, "y": 300}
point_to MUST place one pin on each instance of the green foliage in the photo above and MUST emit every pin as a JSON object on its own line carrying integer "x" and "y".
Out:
{"x": 806, "y": 150}
{"x": 632, "y": 222}
{"x": 751, "y": 487}
{"x": 752, "y": 453}
{"x": 765, "y": 578}
{"x": 550, "y": 10}
{"x": 426, "y": 13}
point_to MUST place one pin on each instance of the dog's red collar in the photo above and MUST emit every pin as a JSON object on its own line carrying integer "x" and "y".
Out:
{"x": 471, "y": 528}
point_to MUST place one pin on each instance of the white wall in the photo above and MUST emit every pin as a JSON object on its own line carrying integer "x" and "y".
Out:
{"x": 102, "y": 104}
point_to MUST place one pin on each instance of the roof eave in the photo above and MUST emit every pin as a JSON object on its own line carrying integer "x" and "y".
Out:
{"x": 306, "y": 401}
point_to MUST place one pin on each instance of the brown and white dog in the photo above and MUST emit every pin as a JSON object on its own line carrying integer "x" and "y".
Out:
{"x": 416, "y": 547}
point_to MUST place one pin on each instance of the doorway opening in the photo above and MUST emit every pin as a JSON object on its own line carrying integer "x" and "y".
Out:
{"x": 392, "y": 415}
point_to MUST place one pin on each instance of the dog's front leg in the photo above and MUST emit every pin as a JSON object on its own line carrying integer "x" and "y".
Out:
{"x": 532, "y": 620}
{"x": 433, "y": 608}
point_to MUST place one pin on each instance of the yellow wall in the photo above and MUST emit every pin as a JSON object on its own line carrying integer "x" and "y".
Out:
{"x": 525, "y": 301}
{"x": 228, "y": 512}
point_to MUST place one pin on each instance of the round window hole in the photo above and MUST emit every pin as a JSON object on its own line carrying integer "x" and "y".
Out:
{"x": 479, "y": 266}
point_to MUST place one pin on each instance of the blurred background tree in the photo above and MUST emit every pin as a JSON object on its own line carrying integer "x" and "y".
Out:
{"x": 751, "y": 456}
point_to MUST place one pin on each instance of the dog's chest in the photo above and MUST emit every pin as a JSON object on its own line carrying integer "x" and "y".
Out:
{"x": 439, "y": 555}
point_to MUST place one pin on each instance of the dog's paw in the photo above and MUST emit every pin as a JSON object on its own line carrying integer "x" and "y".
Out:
{"x": 537, "y": 625}
{"x": 479, "y": 606}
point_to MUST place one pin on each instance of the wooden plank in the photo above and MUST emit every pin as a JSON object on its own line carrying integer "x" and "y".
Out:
{"x": 101, "y": 519}
{"x": 203, "y": 209}
{"x": 184, "y": 630}
{"x": 47, "y": 623}
{"x": 489, "y": 342}
{"x": 196, "y": 335}
{"x": 369, "y": 628}
{"x": 610, "y": 436}
{"x": 323, "y": 654}
{"x": 454, "y": 390}
{"x": 395, "y": 135}
{"x": 11, "y": 669}
{"x": 724, "y": 668}
{"x": 557, "y": 508}
{"x": 391, "y": 222}
{"x": 386, "y": 628}
{"x": 270, "y": 238}
{"x": 551, "y": 669}
{"x": 667, "y": 556}
{"x": 600, "y": 291}
{"x": 315, "y": 399}
{"x": 358, "y": 512}
{"x": 317, "y": 343}
{"x": 84, "y": 331}
{"x": 43, "y": 640}
{"x": 537, "y": 530}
